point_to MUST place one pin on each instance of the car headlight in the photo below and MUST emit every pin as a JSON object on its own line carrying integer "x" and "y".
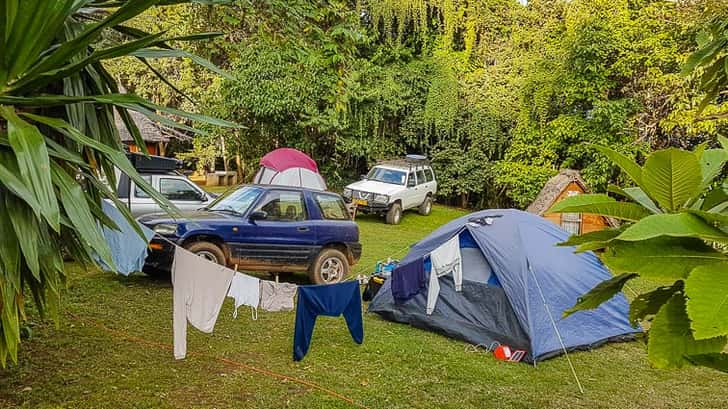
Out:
{"x": 166, "y": 229}
{"x": 347, "y": 193}
{"x": 381, "y": 199}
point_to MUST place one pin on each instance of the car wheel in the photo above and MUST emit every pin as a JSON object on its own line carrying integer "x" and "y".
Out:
{"x": 426, "y": 207}
{"x": 330, "y": 267}
{"x": 394, "y": 215}
{"x": 208, "y": 251}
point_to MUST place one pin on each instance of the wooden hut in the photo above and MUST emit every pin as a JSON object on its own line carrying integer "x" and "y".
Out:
{"x": 156, "y": 136}
{"x": 567, "y": 183}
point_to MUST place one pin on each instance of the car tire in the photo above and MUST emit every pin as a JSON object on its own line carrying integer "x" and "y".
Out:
{"x": 330, "y": 267}
{"x": 426, "y": 207}
{"x": 208, "y": 251}
{"x": 394, "y": 214}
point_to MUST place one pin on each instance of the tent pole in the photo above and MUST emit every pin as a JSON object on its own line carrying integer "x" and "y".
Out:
{"x": 556, "y": 329}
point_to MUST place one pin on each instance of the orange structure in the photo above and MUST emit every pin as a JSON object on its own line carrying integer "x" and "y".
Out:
{"x": 156, "y": 136}
{"x": 567, "y": 183}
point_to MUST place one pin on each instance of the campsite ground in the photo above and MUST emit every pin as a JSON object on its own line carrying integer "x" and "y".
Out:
{"x": 109, "y": 350}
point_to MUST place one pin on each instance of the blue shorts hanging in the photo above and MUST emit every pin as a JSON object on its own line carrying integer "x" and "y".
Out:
{"x": 330, "y": 300}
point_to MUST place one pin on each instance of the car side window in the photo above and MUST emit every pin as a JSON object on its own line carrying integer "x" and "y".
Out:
{"x": 421, "y": 176}
{"x": 140, "y": 194}
{"x": 176, "y": 189}
{"x": 332, "y": 207}
{"x": 429, "y": 176}
{"x": 284, "y": 206}
{"x": 411, "y": 182}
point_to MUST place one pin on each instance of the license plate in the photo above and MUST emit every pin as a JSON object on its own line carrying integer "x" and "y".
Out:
{"x": 360, "y": 202}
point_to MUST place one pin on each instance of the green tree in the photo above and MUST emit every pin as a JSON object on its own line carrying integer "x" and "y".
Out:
{"x": 59, "y": 145}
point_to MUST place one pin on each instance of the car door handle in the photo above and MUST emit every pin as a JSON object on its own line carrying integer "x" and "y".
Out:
{"x": 302, "y": 228}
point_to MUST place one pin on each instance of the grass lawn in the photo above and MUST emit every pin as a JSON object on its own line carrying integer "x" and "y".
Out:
{"x": 79, "y": 364}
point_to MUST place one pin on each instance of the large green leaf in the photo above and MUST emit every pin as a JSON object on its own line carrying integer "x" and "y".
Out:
{"x": 629, "y": 167}
{"x": 650, "y": 303}
{"x": 26, "y": 230}
{"x": 717, "y": 219}
{"x": 166, "y": 53}
{"x": 58, "y": 73}
{"x": 671, "y": 340}
{"x": 637, "y": 195}
{"x": 674, "y": 225}
{"x": 9, "y": 247}
{"x": 128, "y": 101}
{"x": 715, "y": 361}
{"x": 34, "y": 164}
{"x": 9, "y": 317}
{"x": 28, "y": 33}
{"x": 8, "y": 171}
{"x": 601, "y": 293}
{"x": 66, "y": 50}
{"x": 717, "y": 197}
{"x": 672, "y": 177}
{"x": 661, "y": 257}
{"x": 593, "y": 240}
{"x": 78, "y": 211}
{"x": 712, "y": 162}
{"x": 707, "y": 291}
{"x": 600, "y": 204}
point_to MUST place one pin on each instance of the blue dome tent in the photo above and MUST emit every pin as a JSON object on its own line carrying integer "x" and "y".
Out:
{"x": 516, "y": 284}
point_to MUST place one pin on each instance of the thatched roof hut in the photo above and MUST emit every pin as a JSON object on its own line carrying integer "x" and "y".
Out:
{"x": 567, "y": 182}
{"x": 155, "y": 135}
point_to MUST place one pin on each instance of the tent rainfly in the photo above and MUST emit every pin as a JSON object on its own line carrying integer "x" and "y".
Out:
{"x": 513, "y": 286}
{"x": 289, "y": 167}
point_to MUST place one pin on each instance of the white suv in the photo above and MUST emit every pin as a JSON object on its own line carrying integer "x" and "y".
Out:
{"x": 394, "y": 186}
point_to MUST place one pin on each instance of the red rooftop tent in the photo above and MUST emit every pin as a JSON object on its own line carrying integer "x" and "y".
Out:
{"x": 289, "y": 167}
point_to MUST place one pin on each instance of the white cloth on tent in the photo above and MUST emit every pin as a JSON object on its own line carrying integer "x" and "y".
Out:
{"x": 445, "y": 259}
{"x": 199, "y": 290}
{"x": 245, "y": 290}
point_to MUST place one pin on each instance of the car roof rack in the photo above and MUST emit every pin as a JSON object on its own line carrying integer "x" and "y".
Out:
{"x": 408, "y": 161}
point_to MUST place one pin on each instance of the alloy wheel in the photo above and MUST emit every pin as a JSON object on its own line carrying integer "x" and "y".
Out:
{"x": 332, "y": 270}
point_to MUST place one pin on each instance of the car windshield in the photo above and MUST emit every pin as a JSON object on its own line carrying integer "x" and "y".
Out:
{"x": 239, "y": 201}
{"x": 395, "y": 177}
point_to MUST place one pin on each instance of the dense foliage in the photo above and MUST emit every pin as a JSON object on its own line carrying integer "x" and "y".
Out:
{"x": 59, "y": 145}
{"x": 499, "y": 95}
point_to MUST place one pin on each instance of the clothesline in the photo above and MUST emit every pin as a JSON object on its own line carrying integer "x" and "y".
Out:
{"x": 266, "y": 372}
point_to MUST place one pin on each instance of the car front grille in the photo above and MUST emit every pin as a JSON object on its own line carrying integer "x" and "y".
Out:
{"x": 362, "y": 195}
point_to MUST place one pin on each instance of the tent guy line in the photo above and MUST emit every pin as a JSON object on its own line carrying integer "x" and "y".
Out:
{"x": 261, "y": 371}
{"x": 556, "y": 329}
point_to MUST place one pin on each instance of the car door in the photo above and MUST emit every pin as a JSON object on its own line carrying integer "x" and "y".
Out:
{"x": 431, "y": 181}
{"x": 140, "y": 202}
{"x": 182, "y": 193}
{"x": 409, "y": 198}
{"x": 284, "y": 240}
{"x": 421, "y": 188}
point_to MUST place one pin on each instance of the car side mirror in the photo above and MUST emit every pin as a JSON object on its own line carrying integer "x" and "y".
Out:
{"x": 258, "y": 215}
{"x": 411, "y": 183}
{"x": 363, "y": 177}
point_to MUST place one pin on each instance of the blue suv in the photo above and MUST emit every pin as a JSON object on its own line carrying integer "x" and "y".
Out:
{"x": 264, "y": 228}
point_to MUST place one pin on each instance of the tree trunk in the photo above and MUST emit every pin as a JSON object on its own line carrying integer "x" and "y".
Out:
{"x": 464, "y": 200}
{"x": 239, "y": 164}
{"x": 224, "y": 154}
